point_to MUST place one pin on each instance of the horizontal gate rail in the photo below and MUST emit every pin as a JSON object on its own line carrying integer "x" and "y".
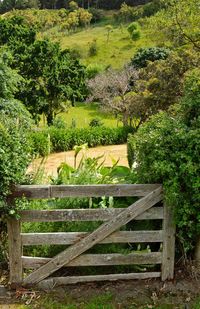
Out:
{"x": 110, "y": 220}
{"x": 69, "y": 238}
{"x": 84, "y": 215}
{"x": 62, "y": 191}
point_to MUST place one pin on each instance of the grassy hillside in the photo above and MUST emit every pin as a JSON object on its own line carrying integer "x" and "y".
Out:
{"x": 115, "y": 52}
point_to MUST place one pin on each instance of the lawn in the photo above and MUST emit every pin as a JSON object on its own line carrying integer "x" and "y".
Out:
{"x": 81, "y": 115}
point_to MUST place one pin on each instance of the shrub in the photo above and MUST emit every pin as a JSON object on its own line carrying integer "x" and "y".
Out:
{"x": 134, "y": 31}
{"x": 40, "y": 142}
{"x": 93, "y": 48}
{"x": 93, "y": 69}
{"x": 166, "y": 150}
{"x": 59, "y": 123}
{"x": 97, "y": 15}
{"x": 143, "y": 55}
{"x": 66, "y": 139}
{"x": 95, "y": 122}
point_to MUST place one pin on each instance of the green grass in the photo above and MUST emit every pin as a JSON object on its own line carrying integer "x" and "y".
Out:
{"x": 83, "y": 113}
{"x": 116, "y": 52}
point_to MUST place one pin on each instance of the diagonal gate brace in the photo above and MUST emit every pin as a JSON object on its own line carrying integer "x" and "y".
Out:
{"x": 95, "y": 237}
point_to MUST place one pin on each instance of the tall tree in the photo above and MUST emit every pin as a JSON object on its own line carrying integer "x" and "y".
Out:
{"x": 52, "y": 79}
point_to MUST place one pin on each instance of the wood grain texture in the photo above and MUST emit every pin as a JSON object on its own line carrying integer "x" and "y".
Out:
{"x": 15, "y": 252}
{"x": 95, "y": 237}
{"x": 169, "y": 230}
{"x": 61, "y": 191}
{"x": 84, "y": 215}
{"x": 100, "y": 260}
{"x": 72, "y": 237}
{"x": 57, "y": 281}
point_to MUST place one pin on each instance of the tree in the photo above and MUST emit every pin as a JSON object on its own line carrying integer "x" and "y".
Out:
{"x": 7, "y": 5}
{"x": 109, "y": 29}
{"x": 179, "y": 22}
{"x": 73, "y": 6}
{"x": 49, "y": 87}
{"x": 160, "y": 84}
{"x": 114, "y": 91}
{"x": 51, "y": 77}
{"x": 15, "y": 30}
{"x": 134, "y": 31}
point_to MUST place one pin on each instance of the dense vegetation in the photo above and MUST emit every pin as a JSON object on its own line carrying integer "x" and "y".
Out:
{"x": 7, "y": 5}
{"x": 156, "y": 92}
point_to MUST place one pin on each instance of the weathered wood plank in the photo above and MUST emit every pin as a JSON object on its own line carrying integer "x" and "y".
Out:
{"x": 15, "y": 252}
{"x": 84, "y": 215}
{"x": 32, "y": 191}
{"x": 95, "y": 237}
{"x": 70, "y": 238}
{"x": 57, "y": 281}
{"x": 61, "y": 191}
{"x": 100, "y": 260}
{"x": 169, "y": 230}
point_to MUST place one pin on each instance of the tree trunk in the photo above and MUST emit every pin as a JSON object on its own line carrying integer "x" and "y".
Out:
{"x": 125, "y": 120}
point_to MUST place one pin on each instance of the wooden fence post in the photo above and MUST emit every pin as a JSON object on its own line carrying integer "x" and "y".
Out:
{"x": 15, "y": 252}
{"x": 169, "y": 230}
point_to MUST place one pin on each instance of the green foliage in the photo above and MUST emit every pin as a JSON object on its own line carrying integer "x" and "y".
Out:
{"x": 39, "y": 91}
{"x": 134, "y": 31}
{"x": 145, "y": 54}
{"x": 15, "y": 29}
{"x": 179, "y": 22}
{"x": 7, "y": 5}
{"x": 14, "y": 124}
{"x": 129, "y": 14}
{"x": 93, "y": 69}
{"x": 65, "y": 20}
{"x": 166, "y": 150}
{"x": 66, "y": 139}
{"x": 96, "y": 122}
{"x": 93, "y": 48}
{"x": 41, "y": 143}
{"x": 97, "y": 15}
{"x": 88, "y": 171}
{"x": 9, "y": 79}
{"x": 155, "y": 86}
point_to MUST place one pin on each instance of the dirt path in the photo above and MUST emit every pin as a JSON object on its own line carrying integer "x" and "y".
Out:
{"x": 108, "y": 152}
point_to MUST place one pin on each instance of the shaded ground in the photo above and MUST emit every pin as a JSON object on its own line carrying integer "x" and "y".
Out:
{"x": 182, "y": 292}
{"x": 108, "y": 152}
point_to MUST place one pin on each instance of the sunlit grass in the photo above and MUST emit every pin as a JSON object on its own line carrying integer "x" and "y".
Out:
{"x": 82, "y": 114}
{"x": 116, "y": 52}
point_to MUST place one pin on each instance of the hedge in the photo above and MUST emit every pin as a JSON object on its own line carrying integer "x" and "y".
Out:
{"x": 56, "y": 139}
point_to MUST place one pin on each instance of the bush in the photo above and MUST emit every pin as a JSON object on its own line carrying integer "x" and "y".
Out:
{"x": 134, "y": 31}
{"x": 93, "y": 48}
{"x": 97, "y": 15}
{"x": 143, "y": 55}
{"x": 40, "y": 143}
{"x": 93, "y": 69}
{"x": 96, "y": 122}
{"x": 166, "y": 150}
{"x": 66, "y": 139}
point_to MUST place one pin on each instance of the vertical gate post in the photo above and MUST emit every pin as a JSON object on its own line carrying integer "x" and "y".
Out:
{"x": 169, "y": 230}
{"x": 15, "y": 252}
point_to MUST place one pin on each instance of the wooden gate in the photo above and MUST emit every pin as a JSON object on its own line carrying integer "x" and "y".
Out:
{"x": 113, "y": 219}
